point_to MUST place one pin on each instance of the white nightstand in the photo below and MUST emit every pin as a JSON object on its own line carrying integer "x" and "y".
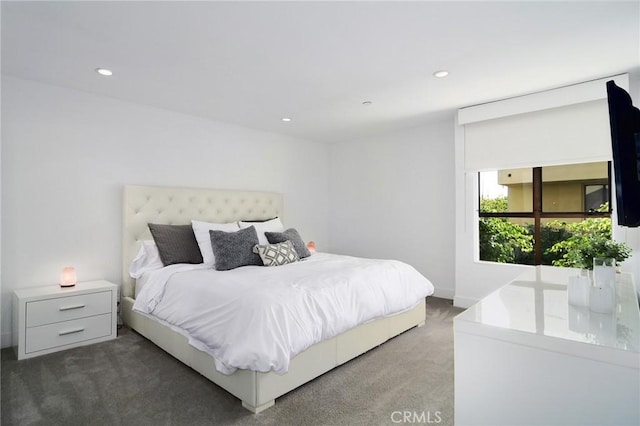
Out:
{"x": 50, "y": 319}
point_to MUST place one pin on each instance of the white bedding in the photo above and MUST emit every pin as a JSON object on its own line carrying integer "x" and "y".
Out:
{"x": 258, "y": 318}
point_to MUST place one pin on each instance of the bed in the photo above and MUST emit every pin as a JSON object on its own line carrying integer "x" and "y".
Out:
{"x": 257, "y": 390}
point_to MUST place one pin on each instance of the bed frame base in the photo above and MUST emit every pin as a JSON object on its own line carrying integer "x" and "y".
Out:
{"x": 258, "y": 391}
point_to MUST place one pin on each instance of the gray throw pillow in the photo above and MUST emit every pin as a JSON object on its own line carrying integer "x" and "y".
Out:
{"x": 292, "y": 235}
{"x": 176, "y": 243}
{"x": 234, "y": 249}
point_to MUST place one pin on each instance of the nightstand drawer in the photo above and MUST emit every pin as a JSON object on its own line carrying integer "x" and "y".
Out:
{"x": 67, "y": 332}
{"x": 67, "y": 308}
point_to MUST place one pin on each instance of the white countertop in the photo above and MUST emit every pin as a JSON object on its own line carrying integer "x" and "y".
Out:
{"x": 534, "y": 309}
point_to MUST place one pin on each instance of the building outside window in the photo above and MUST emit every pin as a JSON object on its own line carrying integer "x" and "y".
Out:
{"x": 524, "y": 213}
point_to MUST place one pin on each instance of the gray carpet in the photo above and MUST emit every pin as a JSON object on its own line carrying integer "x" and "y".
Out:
{"x": 129, "y": 381}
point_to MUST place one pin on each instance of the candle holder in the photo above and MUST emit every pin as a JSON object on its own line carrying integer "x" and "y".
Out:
{"x": 68, "y": 277}
{"x": 602, "y": 296}
{"x": 579, "y": 288}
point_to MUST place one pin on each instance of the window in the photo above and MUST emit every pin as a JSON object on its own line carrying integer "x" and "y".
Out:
{"x": 525, "y": 212}
{"x": 595, "y": 196}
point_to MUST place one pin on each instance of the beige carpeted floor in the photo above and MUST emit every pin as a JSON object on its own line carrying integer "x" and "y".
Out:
{"x": 129, "y": 381}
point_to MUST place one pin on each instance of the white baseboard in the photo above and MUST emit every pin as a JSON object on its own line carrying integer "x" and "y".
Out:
{"x": 5, "y": 340}
{"x": 444, "y": 293}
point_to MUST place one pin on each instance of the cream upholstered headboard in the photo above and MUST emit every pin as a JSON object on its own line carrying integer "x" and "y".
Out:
{"x": 155, "y": 204}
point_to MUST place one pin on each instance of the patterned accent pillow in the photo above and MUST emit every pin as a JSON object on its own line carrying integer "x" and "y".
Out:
{"x": 292, "y": 235}
{"x": 277, "y": 254}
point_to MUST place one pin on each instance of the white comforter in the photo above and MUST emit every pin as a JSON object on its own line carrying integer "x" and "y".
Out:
{"x": 258, "y": 317}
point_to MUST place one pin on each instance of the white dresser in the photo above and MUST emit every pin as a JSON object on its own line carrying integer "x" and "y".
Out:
{"x": 523, "y": 355}
{"x": 49, "y": 319}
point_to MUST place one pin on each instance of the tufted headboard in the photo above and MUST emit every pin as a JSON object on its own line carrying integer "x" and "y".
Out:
{"x": 155, "y": 204}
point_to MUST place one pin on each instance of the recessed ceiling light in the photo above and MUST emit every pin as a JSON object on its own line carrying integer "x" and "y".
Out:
{"x": 441, "y": 74}
{"x": 286, "y": 119}
{"x": 366, "y": 103}
{"x": 104, "y": 71}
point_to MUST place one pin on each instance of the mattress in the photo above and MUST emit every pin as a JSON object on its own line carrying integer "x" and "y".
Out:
{"x": 259, "y": 318}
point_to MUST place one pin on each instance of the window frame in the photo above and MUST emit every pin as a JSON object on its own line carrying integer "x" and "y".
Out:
{"x": 584, "y": 192}
{"x": 538, "y": 214}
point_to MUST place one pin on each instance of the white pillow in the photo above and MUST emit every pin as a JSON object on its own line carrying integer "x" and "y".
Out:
{"x": 201, "y": 231}
{"x": 273, "y": 225}
{"x": 148, "y": 259}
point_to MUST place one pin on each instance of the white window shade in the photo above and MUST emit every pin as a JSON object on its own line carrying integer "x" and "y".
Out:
{"x": 577, "y": 133}
{"x": 566, "y": 125}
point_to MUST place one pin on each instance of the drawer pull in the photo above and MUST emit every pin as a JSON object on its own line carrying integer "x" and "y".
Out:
{"x": 75, "y": 330}
{"x": 68, "y": 308}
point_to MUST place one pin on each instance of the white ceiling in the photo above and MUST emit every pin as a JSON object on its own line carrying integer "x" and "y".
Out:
{"x": 251, "y": 63}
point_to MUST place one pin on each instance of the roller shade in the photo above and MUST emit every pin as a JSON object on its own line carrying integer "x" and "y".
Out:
{"x": 566, "y": 125}
{"x": 576, "y": 133}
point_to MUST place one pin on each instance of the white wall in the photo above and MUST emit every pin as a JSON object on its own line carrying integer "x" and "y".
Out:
{"x": 1, "y": 316}
{"x": 66, "y": 155}
{"x": 392, "y": 196}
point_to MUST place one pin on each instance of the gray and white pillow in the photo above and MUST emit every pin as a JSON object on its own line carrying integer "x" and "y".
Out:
{"x": 277, "y": 254}
{"x": 234, "y": 249}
